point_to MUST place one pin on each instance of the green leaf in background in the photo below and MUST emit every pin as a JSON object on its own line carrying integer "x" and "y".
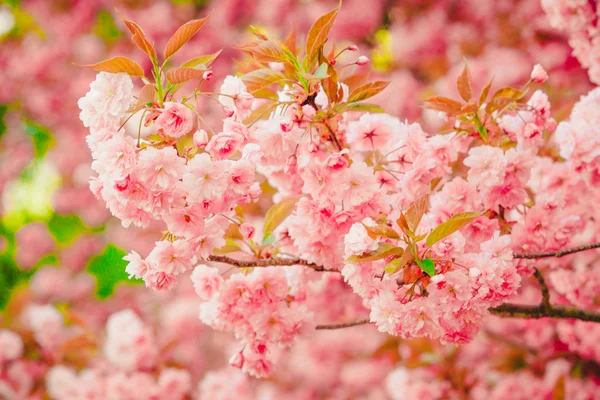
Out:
{"x": 106, "y": 28}
{"x": 3, "y": 127}
{"x": 66, "y": 228}
{"x": 109, "y": 270}
{"x": 427, "y": 266}
{"x": 41, "y": 136}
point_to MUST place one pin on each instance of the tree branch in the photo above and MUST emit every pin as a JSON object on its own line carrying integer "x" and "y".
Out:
{"x": 269, "y": 262}
{"x": 345, "y": 325}
{"x": 541, "y": 311}
{"x": 545, "y": 292}
{"x": 557, "y": 254}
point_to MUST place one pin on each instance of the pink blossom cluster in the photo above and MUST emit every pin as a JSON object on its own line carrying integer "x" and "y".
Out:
{"x": 190, "y": 194}
{"x": 579, "y": 20}
{"x": 264, "y": 310}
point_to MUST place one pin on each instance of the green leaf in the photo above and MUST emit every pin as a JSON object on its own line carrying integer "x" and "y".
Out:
{"x": 269, "y": 239}
{"x": 106, "y": 28}
{"x": 384, "y": 250}
{"x": 3, "y": 127}
{"x": 452, "y": 225}
{"x": 482, "y": 132}
{"x": 367, "y": 90}
{"x": 66, "y": 228}
{"x": 230, "y": 247}
{"x": 278, "y": 213}
{"x": 109, "y": 270}
{"x": 41, "y": 136}
{"x": 321, "y": 72}
{"x": 427, "y": 266}
{"x": 367, "y": 107}
{"x": 205, "y": 60}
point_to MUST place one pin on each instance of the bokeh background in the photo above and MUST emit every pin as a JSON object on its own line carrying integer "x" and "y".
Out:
{"x": 60, "y": 246}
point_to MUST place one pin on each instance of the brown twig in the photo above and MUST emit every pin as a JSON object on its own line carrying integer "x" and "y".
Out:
{"x": 345, "y": 325}
{"x": 556, "y": 254}
{"x": 544, "y": 288}
{"x": 269, "y": 262}
{"x": 541, "y": 311}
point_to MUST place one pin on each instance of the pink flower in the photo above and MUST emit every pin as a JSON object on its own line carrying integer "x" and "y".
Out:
{"x": 176, "y": 120}
{"x": 247, "y": 230}
{"x": 232, "y": 86}
{"x": 207, "y": 281}
{"x": 373, "y": 131}
{"x": 11, "y": 346}
{"x": 137, "y": 267}
{"x": 160, "y": 169}
{"x": 172, "y": 258}
{"x": 224, "y": 144}
{"x": 357, "y": 241}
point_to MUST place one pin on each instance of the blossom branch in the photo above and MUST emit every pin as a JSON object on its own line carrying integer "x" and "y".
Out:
{"x": 542, "y": 311}
{"x": 545, "y": 292}
{"x": 269, "y": 262}
{"x": 344, "y": 325}
{"x": 557, "y": 254}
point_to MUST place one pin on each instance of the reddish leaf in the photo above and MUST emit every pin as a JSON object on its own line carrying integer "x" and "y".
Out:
{"x": 183, "y": 35}
{"x": 205, "y": 60}
{"x": 464, "y": 85}
{"x": 367, "y": 90}
{"x": 485, "y": 92}
{"x": 139, "y": 38}
{"x": 261, "y": 79}
{"x": 116, "y": 65}
{"x": 266, "y": 51}
{"x": 181, "y": 75}
{"x": 510, "y": 93}
{"x": 444, "y": 104}
{"x": 146, "y": 96}
{"x": 290, "y": 41}
{"x": 415, "y": 212}
{"x": 317, "y": 36}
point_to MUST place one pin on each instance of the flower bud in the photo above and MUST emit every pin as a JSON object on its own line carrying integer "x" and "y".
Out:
{"x": 352, "y": 47}
{"x": 362, "y": 61}
{"x": 207, "y": 75}
{"x": 550, "y": 125}
{"x": 539, "y": 74}
{"x": 200, "y": 138}
{"x": 291, "y": 165}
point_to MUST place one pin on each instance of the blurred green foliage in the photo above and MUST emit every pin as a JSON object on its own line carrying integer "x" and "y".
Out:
{"x": 106, "y": 28}
{"x": 109, "y": 270}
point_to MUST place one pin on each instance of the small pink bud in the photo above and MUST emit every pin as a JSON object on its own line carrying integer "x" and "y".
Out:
{"x": 550, "y": 125}
{"x": 228, "y": 112}
{"x": 352, "y": 47}
{"x": 313, "y": 148}
{"x": 362, "y": 61}
{"x": 237, "y": 360}
{"x": 207, "y": 75}
{"x": 332, "y": 62}
{"x": 200, "y": 138}
{"x": 291, "y": 165}
{"x": 247, "y": 230}
{"x": 539, "y": 74}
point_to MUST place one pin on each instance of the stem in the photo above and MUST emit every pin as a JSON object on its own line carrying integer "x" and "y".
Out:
{"x": 545, "y": 292}
{"x": 557, "y": 254}
{"x": 345, "y": 325}
{"x": 269, "y": 262}
{"x": 542, "y": 311}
